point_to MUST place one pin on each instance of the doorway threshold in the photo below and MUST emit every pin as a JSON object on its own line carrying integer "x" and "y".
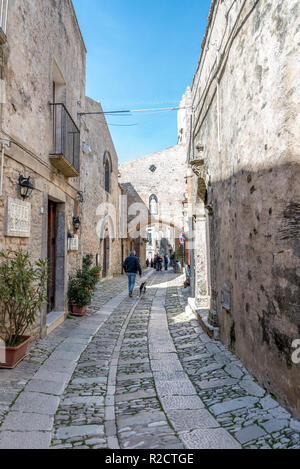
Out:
{"x": 55, "y": 319}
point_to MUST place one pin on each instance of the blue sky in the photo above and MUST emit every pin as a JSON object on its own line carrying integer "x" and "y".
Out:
{"x": 141, "y": 54}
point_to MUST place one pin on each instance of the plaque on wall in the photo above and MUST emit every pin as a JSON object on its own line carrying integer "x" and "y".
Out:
{"x": 17, "y": 218}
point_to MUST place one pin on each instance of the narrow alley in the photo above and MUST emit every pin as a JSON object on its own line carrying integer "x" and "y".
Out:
{"x": 138, "y": 373}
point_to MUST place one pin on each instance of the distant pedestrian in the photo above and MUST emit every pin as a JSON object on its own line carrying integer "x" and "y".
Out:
{"x": 147, "y": 263}
{"x": 132, "y": 267}
{"x": 166, "y": 261}
{"x": 152, "y": 263}
{"x": 160, "y": 263}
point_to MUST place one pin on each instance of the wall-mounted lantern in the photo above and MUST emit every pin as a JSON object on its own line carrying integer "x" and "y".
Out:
{"x": 76, "y": 223}
{"x": 26, "y": 187}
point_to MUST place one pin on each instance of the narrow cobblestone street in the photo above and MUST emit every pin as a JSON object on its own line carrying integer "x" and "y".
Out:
{"x": 138, "y": 374}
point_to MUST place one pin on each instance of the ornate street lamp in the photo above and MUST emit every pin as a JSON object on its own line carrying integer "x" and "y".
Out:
{"x": 76, "y": 223}
{"x": 26, "y": 187}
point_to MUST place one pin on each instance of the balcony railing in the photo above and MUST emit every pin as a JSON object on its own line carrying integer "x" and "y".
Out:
{"x": 66, "y": 142}
{"x": 3, "y": 20}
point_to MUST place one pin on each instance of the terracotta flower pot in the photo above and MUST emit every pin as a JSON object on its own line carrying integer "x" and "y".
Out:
{"x": 78, "y": 311}
{"x": 14, "y": 355}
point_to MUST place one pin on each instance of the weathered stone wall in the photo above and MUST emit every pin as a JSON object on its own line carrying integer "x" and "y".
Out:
{"x": 98, "y": 204}
{"x": 253, "y": 165}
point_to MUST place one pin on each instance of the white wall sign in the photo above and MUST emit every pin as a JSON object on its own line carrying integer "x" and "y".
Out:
{"x": 18, "y": 218}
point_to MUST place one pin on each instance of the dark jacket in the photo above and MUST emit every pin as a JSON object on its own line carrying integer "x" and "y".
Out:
{"x": 132, "y": 265}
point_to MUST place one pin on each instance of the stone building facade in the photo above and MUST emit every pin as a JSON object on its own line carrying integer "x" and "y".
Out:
{"x": 158, "y": 182}
{"x": 44, "y": 137}
{"x": 245, "y": 189}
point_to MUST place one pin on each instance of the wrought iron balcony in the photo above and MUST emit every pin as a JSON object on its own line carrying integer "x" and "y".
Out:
{"x": 3, "y": 20}
{"x": 66, "y": 142}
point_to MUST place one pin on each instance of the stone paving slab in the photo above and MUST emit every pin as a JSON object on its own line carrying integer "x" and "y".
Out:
{"x": 175, "y": 388}
{"x": 68, "y": 356}
{"x": 46, "y": 387}
{"x": 140, "y": 394}
{"x": 20, "y": 421}
{"x": 181, "y": 402}
{"x": 249, "y": 433}
{"x": 36, "y": 403}
{"x": 200, "y": 356}
{"x": 252, "y": 388}
{"x": 83, "y": 401}
{"x": 191, "y": 419}
{"x": 268, "y": 403}
{"x": 64, "y": 433}
{"x": 43, "y": 374}
{"x": 134, "y": 376}
{"x": 217, "y": 383}
{"x": 169, "y": 376}
{"x": 150, "y": 418}
{"x": 162, "y": 347}
{"x": 275, "y": 425}
{"x": 88, "y": 381}
{"x": 158, "y": 365}
{"x": 234, "y": 404}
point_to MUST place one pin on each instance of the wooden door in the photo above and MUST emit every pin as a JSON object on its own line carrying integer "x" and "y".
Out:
{"x": 51, "y": 255}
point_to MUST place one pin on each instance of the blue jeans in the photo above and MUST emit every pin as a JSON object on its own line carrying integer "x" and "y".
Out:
{"x": 131, "y": 281}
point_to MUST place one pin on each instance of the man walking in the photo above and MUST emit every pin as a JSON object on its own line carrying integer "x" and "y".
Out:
{"x": 132, "y": 266}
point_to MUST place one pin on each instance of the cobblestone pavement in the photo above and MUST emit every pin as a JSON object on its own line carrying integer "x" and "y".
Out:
{"x": 137, "y": 373}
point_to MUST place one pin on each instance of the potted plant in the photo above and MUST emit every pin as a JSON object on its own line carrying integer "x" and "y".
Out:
{"x": 23, "y": 287}
{"x": 79, "y": 294}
